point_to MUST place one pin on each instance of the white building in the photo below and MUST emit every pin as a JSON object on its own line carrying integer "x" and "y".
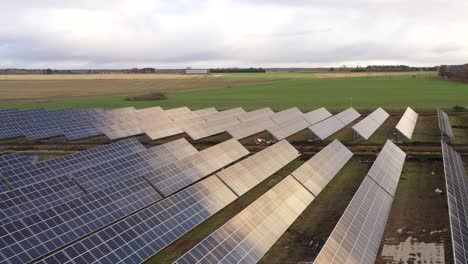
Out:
{"x": 197, "y": 71}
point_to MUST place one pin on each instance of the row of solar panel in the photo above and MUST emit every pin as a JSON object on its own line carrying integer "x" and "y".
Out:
{"x": 158, "y": 123}
{"x": 445, "y": 126}
{"x": 457, "y": 197}
{"x": 356, "y": 237}
{"x": 145, "y": 233}
{"x": 33, "y": 235}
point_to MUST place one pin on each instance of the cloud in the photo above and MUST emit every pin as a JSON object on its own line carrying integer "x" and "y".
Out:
{"x": 224, "y": 33}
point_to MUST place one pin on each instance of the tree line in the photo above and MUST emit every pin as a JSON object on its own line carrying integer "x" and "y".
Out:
{"x": 454, "y": 72}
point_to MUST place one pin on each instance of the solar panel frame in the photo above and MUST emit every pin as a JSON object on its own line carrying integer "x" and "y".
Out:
{"x": 231, "y": 113}
{"x": 256, "y": 114}
{"x": 327, "y": 127}
{"x": 347, "y": 116}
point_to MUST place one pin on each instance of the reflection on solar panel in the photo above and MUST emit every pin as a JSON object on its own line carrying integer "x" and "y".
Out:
{"x": 145, "y": 233}
{"x": 331, "y": 125}
{"x": 247, "y": 173}
{"x": 387, "y": 167}
{"x": 407, "y": 123}
{"x": 177, "y": 111}
{"x": 211, "y": 128}
{"x": 257, "y": 114}
{"x": 457, "y": 198}
{"x": 252, "y": 127}
{"x": 445, "y": 126}
{"x": 286, "y": 115}
{"x": 178, "y": 175}
{"x": 356, "y": 238}
{"x": 36, "y": 235}
{"x": 366, "y": 127}
{"x": 318, "y": 171}
{"x": 247, "y": 237}
{"x": 289, "y": 128}
{"x": 138, "y": 164}
{"x": 317, "y": 115}
{"x": 206, "y": 111}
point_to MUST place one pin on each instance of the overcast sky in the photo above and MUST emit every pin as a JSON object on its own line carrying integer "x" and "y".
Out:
{"x": 223, "y": 33}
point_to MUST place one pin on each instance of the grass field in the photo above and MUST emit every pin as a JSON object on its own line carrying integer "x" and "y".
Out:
{"x": 251, "y": 91}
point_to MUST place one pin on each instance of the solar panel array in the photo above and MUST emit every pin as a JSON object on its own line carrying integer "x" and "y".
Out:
{"x": 366, "y": 127}
{"x": 331, "y": 125}
{"x": 145, "y": 233}
{"x": 155, "y": 122}
{"x": 42, "y": 171}
{"x": 444, "y": 125}
{"x": 407, "y": 123}
{"x": 250, "y": 234}
{"x": 457, "y": 197}
{"x": 356, "y": 238}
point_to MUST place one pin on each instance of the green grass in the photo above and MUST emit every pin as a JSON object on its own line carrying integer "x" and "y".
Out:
{"x": 362, "y": 93}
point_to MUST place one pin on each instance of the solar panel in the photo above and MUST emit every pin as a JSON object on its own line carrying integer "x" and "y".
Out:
{"x": 145, "y": 233}
{"x": 407, "y": 123}
{"x": 206, "y": 111}
{"x": 178, "y": 175}
{"x": 13, "y": 161}
{"x": 160, "y": 130}
{"x": 289, "y": 128}
{"x": 177, "y": 111}
{"x": 44, "y": 195}
{"x": 138, "y": 164}
{"x": 366, "y": 127}
{"x": 2, "y": 150}
{"x": 331, "y": 125}
{"x": 235, "y": 112}
{"x": 252, "y": 127}
{"x": 257, "y": 114}
{"x": 327, "y": 127}
{"x": 319, "y": 170}
{"x": 356, "y": 238}
{"x": 247, "y": 173}
{"x": 444, "y": 125}
{"x": 457, "y": 198}
{"x": 60, "y": 166}
{"x": 387, "y": 167}
{"x": 36, "y": 235}
{"x": 249, "y": 235}
{"x": 317, "y": 115}
{"x": 286, "y": 115}
{"x": 211, "y": 128}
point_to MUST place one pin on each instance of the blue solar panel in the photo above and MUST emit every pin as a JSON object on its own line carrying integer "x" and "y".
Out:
{"x": 34, "y": 236}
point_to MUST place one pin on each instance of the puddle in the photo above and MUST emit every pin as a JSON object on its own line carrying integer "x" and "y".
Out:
{"x": 412, "y": 251}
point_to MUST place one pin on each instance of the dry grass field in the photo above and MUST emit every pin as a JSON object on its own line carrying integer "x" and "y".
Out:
{"x": 41, "y": 88}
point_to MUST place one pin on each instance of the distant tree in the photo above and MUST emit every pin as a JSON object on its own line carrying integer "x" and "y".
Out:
{"x": 443, "y": 71}
{"x": 48, "y": 71}
{"x": 332, "y": 69}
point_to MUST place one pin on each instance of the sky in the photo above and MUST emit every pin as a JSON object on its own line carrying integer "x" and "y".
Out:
{"x": 65, "y": 34}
